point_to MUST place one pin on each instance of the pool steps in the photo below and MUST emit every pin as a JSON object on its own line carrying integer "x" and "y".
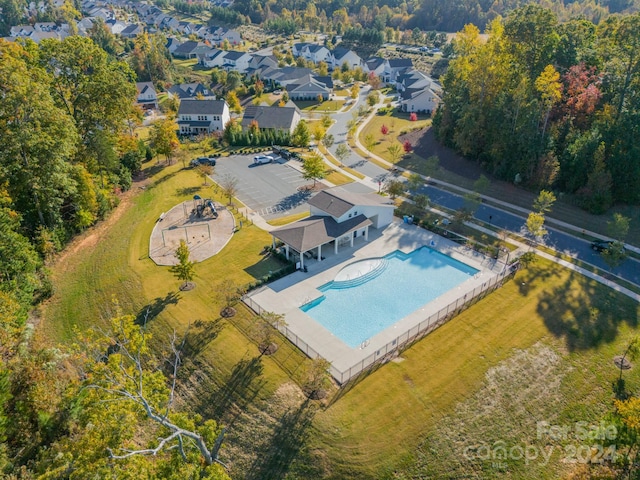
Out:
{"x": 358, "y": 277}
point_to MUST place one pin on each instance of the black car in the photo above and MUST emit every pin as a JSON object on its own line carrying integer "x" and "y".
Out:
{"x": 601, "y": 245}
{"x": 203, "y": 161}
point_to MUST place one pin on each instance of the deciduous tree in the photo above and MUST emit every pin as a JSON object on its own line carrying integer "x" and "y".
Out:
{"x": 185, "y": 269}
{"x": 313, "y": 168}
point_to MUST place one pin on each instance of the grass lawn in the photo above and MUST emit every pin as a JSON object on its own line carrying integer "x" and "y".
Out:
{"x": 396, "y": 123}
{"x": 278, "y": 222}
{"x": 542, "y": 345}
{"x": 314, "y": 106}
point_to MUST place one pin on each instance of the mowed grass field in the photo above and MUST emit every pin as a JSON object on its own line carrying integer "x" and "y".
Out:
{"x": 540, "y": 348}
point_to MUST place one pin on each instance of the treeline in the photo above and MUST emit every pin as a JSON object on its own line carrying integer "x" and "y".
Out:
{"x": 226, "y": 16}
{"x": 369, "y": 37}
{"x": 188, "y": 7}
{"x": 63, "y": 155}
{"x": 253, "y": 136}
{"x": 549, "y": 104}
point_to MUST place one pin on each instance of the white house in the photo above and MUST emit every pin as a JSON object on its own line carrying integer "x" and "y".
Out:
{"x": 338, "y": 218}
{"x": 375, "y": 65}
{"x": 309, "y": 87}
{"x": 341, "y": 55}
{"x": 421, "y": 101}
{"x": 234, "y": 60}
{"x": 316, "y": 53}
{"x": 147, "y": 95}
{"x": 202, "y": 116}
{"x": 394, "y": 67}
{"x": 212, "y": 58}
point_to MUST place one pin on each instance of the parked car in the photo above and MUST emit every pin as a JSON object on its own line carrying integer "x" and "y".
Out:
{"x": 601, "y": 245}
{"x": 203, "y": 161}
{"x": 260, "y": 159}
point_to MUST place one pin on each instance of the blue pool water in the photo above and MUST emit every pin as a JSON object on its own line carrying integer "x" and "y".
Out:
{"x": 407, "y": 282}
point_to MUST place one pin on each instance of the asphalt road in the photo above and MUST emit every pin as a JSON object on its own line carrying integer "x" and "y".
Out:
{"x": 271, "y": 189}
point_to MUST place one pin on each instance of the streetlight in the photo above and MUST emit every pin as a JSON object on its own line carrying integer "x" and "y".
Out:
{"x": 508, "y": 252}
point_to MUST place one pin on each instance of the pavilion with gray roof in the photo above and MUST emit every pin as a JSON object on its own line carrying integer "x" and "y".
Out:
{"x": 338, "y": 217}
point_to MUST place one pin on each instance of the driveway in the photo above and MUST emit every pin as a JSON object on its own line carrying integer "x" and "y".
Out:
{"x": 271, "y": 189}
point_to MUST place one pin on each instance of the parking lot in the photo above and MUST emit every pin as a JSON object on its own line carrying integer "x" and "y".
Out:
{"x": 271, "y": 189}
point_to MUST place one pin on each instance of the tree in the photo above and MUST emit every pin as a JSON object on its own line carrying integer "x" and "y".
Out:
{"x": 395, "y": 152}
{"x": 230, "y": 293}
{"x": 415, "y": 182}
{"x": 326, "y": 120}
{"x": 229, "y": 185}
{"x": 328, "y": 140}
{"x": 413, "y": 117}
{"x": 126, "y": 386}
{"x": 342, "y": 152}
{"x": 316, "y": 378}
{"x": 97, "y": 91}
{"x": 544, "y": 202}
{"x": 234, "y": 80}
{"x": 184, "y": 270}
{"x": 313, "y": 168}
{"x": 618, "y": 227}
{"x": 615, "y": 254}
{"x": 407, "y": 147}
{"x": 234, "y": 102}
{"x": 384, "y": 129}
{"x": 205, "y": 171}
{"x": 394, "y": 188}
{"x": 258, "y": 87}
{"x": 318, "y": 133}
{"x": 369, "y": 141}
{"x": 163, "y": 138}
{"x": 355, "y": 91}
{"x": 481, "y": 185}
{"x": 301, "y": 135}
{"x": 374, "y": 81}
{"x": 535, "y": 226}
{"x": 432, "y": 164}
{"x": 550, "y": 89}
{"x": 267, "y": 323}
{"x": 421, "y": 201}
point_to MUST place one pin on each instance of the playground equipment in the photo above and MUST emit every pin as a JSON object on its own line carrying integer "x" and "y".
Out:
{"x": 201, "y": 208}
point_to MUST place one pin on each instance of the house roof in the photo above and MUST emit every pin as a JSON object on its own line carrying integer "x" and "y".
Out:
{"x": 337, "y": 201}
{"x": 133, "y": 28}
{"x": 310, "y": 232}
{"x": 234, "y": 55}
{"x": 144, "y": 87}
{"x": 313, "y": 48}
{"x": 188, "y": 90}
{"x": 400, "y": 62}
{"x": 186, "y": 47}
{"x": 279, "y": 118}
{"x": 203, "y": 107}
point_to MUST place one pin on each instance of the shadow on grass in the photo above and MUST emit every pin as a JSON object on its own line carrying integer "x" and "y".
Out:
{"x": 187, "y": 191}
{"x": 239, "y": 390}
{"x": 288, "y": 439}
{"x": 153, "y": 309}
{"x": 267, "y": 263}
{"x": 201, "y": 334}
{"x": 586, "y": 315}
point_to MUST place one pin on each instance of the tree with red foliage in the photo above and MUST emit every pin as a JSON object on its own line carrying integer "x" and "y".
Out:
{"x": 374, "y": 81}
{"x": 384, "y": 129}
{"x": 582, "y": 93}
{"x": 413, "y": 117}
{"x": 407, "y": 146}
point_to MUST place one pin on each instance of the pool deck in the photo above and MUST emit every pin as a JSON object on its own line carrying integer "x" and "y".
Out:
{"x": 285, "y": 296}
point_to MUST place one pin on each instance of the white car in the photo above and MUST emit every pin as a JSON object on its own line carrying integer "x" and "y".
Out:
{"x": 260, "y": 159}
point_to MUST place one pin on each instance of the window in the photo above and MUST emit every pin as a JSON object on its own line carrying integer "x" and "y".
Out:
{"x": 202, "y": 118}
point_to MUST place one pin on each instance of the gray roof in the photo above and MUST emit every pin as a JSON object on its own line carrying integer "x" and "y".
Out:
{"x": 188, "y": 90}
{"x": 310, "y": 232}
{"x": 233, "y": 55}
{"x": 187, "y": 47}
{"x": 337, "y": 201}
{"x": 279, "y": 118}
{"x": 400, "y": 62}
{"x": 203, "y": 107}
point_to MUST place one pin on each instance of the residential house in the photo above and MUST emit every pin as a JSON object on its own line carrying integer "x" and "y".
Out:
{"x": 375, "y": 65}
{"x": 132, "y": 31}
{"x": 394, "y": 67}
{"x": 202, "y": 116}
{"x": 189, "y": 90}
{"x": 338, "y": 218}
{"x": 115, "y": 26}
{"x": 172, "y": 44}
{"x": 272, "y": 118}
{"x": 190, "y": 49}
{"x": 234, "y": 60}
{"x": 212, "y": 58}
{"x": 340, "y": 56}
{"x": 297, "y": 48}
{"x": 316, "y": 53}
{"x": 418, "y": 92}
{"x": 260, "y": 63}
{"x": 147, "y": 95}
{"x": 310, "y": 87}
{"x": 285, "y": 76}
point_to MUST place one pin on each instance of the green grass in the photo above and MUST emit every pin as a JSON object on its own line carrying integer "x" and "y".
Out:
{"x": 314, "y": 106}
{"x": 278, "y": 222}
{"x": 399, "y": 421}
{"x": 396, "y": 123}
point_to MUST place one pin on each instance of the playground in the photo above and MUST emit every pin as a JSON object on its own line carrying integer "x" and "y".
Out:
{"x": 205, "y": 226}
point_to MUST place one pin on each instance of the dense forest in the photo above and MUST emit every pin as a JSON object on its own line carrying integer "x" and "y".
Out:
{"x": 552, "y": 105}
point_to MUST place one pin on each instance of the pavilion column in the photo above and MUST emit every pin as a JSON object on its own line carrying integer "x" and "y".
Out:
{"x": 273, "y": 242}
{"x": 351, "y": 239}
{"x": 286, "y": 250}
{"x": 335, "y": 246}
{"x": 319, "y": 253}
{"x": 366, "y": 233}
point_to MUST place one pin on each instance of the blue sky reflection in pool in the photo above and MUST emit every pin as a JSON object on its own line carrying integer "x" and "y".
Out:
{"x": 397, "y": 286}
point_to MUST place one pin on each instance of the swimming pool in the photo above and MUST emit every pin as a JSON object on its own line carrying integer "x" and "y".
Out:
{"x": 379, "y": 292}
